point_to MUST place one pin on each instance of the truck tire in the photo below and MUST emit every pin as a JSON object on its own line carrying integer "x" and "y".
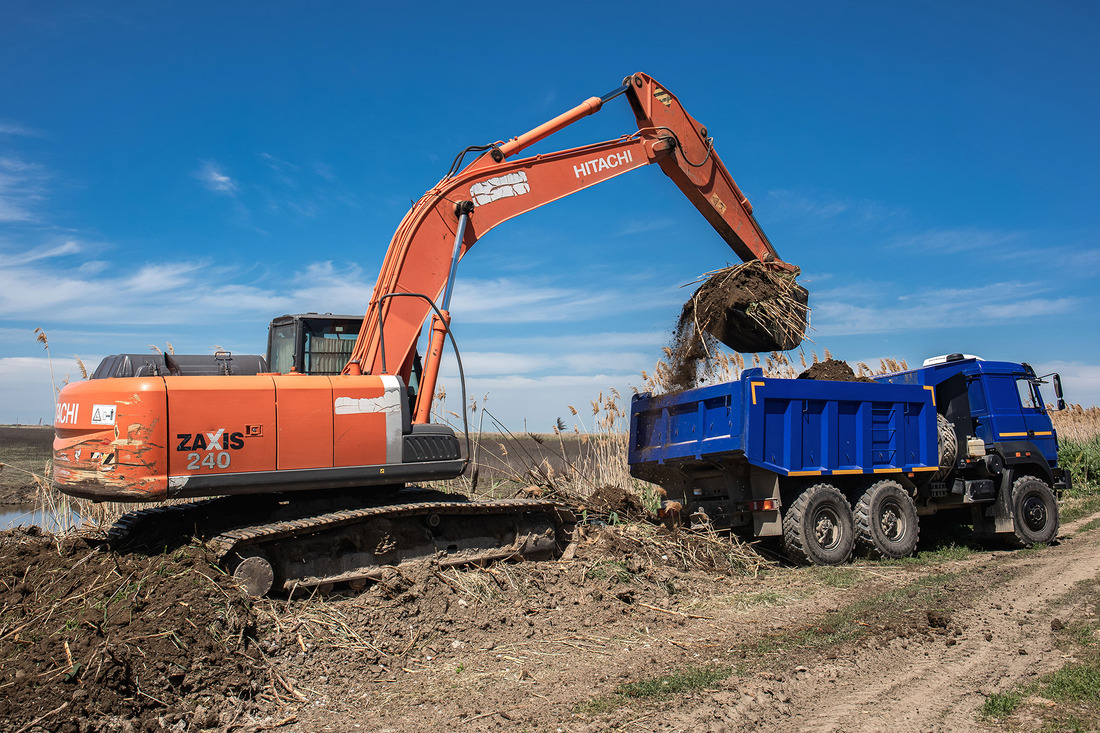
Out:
{"x": 886, "y": 521}
{"x": 948, "y": 445}
{"x": 1034, "y": 511}
{"x": 818, "y": 527}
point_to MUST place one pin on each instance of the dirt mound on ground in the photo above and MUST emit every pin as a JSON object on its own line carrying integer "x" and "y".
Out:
{"x": 832, "y": 370}
{"x": 608, "y": 500}
{"x": 90, "y": 638}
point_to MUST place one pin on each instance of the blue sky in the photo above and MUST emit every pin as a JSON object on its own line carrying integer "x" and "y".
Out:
{"x": 183, "y": 172}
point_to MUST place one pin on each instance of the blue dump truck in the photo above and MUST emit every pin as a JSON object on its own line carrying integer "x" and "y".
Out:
{"x": 831, "y": 466}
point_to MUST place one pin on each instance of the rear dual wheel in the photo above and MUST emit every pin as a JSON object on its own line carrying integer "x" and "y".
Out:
{"x": 886, "y": 521}
{"x": 818, "y": 527}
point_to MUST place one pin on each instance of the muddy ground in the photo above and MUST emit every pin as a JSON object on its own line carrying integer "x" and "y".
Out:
{"x": 639, "y": 631}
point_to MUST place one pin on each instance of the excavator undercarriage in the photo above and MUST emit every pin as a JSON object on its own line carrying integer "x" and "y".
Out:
{"x": 282, "y": 543}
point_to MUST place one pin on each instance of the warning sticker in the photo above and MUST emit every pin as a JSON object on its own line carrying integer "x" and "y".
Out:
{"x": 103, "y": 414}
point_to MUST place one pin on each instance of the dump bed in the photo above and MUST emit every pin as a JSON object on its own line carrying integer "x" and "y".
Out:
{"x": 793, "y": 427}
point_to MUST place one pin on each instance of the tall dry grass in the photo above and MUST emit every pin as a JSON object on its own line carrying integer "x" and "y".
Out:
{"x": 1077, "y": 423}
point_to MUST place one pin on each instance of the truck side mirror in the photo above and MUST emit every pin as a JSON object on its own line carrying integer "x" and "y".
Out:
{"x": 1058, "y": 391}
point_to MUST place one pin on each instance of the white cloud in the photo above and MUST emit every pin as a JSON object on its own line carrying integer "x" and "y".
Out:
{"x": 7, "y": 127}
{"x": 818, "y": 208}
{"x": 26, "y": 394}
{"x": 22, "y": 186}
{"x": 962, "y": 239}
{"x": 1080, "y": 381}
{"x": 214, "y": 179}
{"x": 854, "y": 310}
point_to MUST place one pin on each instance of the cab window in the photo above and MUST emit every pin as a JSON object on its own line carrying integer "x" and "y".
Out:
{"x": 1029, "y": 396}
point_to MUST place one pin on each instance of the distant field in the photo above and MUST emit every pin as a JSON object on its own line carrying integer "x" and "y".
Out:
{"x": 26, "y": 447}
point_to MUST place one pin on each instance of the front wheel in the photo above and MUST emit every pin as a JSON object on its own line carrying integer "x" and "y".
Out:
{"x": 1034, "y": 511}
{"x": 818, "y": 527}
{"x": 886, "y": 521}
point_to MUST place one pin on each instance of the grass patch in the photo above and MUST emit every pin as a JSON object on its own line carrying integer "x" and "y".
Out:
{"x": 858, "y": 618}
{"x": 685, "y": 680}
{"x": 678, "y": 682}
{"x": 1001, "y": 705}
{"x": 1090, "y": 525}
{"x": 1075, "y": 682}
{"x": 944, "y": 553}
{"x": 836, "y": 577}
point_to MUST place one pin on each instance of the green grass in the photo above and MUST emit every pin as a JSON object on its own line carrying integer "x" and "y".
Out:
{"x": 678, "y": 682}
{"x": 675, "y": 683}
{"x": 855, "y": 619}
{"x": 1001, "y": 705}
{"x": 836, "y": 577}
{"x": 1082, "y": 458}
{"x": 943, "y": 553}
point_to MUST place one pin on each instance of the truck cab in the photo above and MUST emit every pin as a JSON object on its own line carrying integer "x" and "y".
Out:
{"x": 995, "y": 408}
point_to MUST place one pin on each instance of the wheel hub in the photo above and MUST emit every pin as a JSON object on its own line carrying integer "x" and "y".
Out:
{"x": 825, "y": 530}
{"x": 1035, "y": 513}
{"x": 893, "y": 526}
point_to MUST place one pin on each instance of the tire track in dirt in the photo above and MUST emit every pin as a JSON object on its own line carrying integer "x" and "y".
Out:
{"x": 939, "y": 684}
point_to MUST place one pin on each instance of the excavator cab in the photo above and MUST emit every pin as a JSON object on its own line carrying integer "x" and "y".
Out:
{"x": 311, "y": 343}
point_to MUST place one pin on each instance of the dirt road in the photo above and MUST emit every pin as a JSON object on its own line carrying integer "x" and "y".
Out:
{"x": 901, "y": 647}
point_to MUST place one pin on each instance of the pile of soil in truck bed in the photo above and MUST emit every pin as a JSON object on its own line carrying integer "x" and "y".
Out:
{"x": 832, "y": 370}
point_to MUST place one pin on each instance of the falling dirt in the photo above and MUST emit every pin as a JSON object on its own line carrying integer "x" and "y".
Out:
{"x": 832, "y": 370}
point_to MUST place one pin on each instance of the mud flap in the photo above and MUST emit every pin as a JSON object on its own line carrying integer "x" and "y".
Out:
{"x": 996, "y": 517}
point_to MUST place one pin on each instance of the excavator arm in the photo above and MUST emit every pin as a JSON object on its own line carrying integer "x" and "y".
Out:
{"x": 450, "y": 218}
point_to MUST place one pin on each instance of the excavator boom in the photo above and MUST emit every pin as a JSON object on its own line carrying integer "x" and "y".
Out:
{"x": 423, "y": 253}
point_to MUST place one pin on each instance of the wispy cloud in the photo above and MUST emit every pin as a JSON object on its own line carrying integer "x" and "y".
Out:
{"x": 211, "y": 176}
{"x": 7, "y": 127}
{"x": 22, "y": 185}
{"x": 815, "y": 207}
{"x": 641, "y": 226}
{"x": 61, "y": 249}
{"x": 855, "y": 311}
{"x": 962, "y": 239}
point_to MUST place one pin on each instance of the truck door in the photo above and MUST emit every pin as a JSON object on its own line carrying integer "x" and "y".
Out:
{"x": 1040, "y": 431}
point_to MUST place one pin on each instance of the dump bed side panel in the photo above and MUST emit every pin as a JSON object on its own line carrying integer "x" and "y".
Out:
{"x": 793, "y": 427}
{"x": 805, "y": 427}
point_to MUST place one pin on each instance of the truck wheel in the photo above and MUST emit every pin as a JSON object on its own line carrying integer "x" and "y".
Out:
{"x": 886, "y": 521}
{"x": 1034, "y": 511}
{"x": 818, "y": 527}
{"x": 949, "y": 446}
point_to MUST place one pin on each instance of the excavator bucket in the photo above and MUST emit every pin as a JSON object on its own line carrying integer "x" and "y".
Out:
{"x": 751, "y": 307}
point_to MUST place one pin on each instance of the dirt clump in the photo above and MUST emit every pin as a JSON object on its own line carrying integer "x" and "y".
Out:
{"x": 748, "y": 307}
{"x": 613, "y": 500}
{"x": 832, "y": 370}
{"x": 93, "y": 640}
{"x": 751, "y": 308}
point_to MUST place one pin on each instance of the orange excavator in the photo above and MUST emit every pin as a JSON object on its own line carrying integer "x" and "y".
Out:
{"x": 302, "y": 469}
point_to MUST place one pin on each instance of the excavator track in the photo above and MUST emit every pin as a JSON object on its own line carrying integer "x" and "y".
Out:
{"x": 287, "y": 544}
